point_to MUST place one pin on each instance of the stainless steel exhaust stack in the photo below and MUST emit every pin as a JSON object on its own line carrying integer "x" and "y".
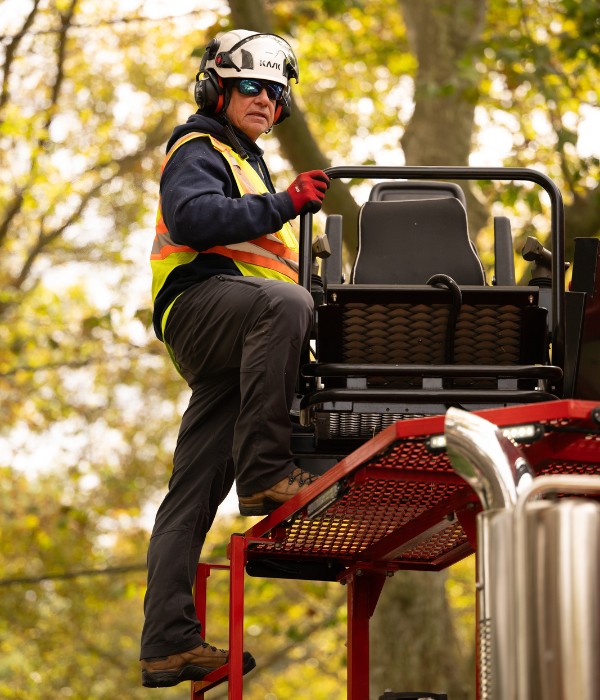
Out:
{"x": 538, "y": 570}
{"x": 493, "y": 466}
{"x": 497, "y": 471}
{"x": 558, "y": 579}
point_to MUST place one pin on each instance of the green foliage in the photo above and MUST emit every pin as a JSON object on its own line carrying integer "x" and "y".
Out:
{"x": 356, "y": 84}
{"x": 90, "y": 403}
{"x": 540, "y": 82}
{"x": 295, "y": 629}
{"x": 460, "y": 589}
{"x": 84, "y": 115}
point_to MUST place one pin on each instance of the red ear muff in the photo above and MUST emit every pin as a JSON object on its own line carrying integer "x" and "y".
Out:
{"x": 221, "y": 95}
{"x": 283, "y": 108}
{"x": 209, "y": 92}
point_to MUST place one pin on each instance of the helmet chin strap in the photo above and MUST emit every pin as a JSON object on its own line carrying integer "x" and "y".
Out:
{"x": 230, "y": 131}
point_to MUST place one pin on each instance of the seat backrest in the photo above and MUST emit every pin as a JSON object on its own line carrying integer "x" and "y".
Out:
{"x": 409, "y": 241}
{"x": 416, "y": 189}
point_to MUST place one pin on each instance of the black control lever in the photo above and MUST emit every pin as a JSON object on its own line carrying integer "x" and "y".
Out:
{"x": 534, "y": 251}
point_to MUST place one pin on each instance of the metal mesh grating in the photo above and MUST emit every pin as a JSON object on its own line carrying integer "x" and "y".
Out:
{"x": 438, "y": 545}
{"x": 361, "y": 425}
{"x": 377, "y": 506}
{"x": 583, "y": 452}
{"x": 485, "y": 659}
{"x": 368, "y": 512}
{"x": 412, "y": 455}
{"x": 561, "y": 467}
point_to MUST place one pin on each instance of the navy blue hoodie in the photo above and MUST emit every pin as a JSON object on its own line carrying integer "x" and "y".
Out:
{"x": 202, "y": 208}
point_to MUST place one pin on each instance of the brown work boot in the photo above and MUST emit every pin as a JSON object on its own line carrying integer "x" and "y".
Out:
{"x": 193, "y": 665}
{"x": 264, "y": 502}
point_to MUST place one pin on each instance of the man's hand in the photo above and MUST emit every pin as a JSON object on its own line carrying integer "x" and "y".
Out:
{"x": 308, "y": 190}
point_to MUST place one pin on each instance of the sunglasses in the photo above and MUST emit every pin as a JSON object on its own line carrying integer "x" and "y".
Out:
{"x": 252, "y": 88}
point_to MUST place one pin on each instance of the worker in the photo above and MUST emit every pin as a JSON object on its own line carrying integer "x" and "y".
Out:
{"x": 235, "y": 322}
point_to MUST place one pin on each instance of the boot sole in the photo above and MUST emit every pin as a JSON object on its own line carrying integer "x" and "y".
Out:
{"x": 262, "y": 507}
{"x": 166, "y": 679}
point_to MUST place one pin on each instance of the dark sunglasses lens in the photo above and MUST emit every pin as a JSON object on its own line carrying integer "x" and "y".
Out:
{"x": 255, "y": 87}
{"x": 250, "y": 87}
{"x": 274, "y": 90}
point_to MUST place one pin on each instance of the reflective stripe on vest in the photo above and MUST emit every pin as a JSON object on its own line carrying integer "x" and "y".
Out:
{"x": 274, "y": 256}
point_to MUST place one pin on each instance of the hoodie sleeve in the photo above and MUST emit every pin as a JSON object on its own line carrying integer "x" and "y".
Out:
{"x": 200, "y": 205}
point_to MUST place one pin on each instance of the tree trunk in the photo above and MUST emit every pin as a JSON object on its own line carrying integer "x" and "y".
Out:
{"x": 413, "y": 642}
{"x": 442, "y": 35}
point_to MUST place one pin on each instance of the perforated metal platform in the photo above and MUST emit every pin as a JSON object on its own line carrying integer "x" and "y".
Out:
{"x": 401, "y": 505}
{"x": 395, "y": 503}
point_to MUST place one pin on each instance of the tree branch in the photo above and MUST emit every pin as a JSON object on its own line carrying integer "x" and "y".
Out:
{"x": 11, "y": 51}
{"x": 12, "y": 209}
{"x": 154, "y": 138}
{"x": 14, "y": 206}
{"x": 61, "y": 48}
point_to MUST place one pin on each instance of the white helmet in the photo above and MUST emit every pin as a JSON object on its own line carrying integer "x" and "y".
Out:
{"x": 244, "y": 54}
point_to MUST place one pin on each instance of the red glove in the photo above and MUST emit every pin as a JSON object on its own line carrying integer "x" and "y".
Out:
{"x": 308, "y": 190}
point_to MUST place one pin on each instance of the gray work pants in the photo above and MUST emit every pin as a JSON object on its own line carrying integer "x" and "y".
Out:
{"x": 238, "y": 341}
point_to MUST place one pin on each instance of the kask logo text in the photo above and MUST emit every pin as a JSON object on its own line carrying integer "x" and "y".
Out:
{"x": 270, "y": 64}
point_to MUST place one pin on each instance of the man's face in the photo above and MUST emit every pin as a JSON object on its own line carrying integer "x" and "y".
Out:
{"x": 253, "y": 115}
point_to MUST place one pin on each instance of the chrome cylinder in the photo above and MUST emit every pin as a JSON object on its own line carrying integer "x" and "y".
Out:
{"x": 538, "y": 570}
{"x": 498, "y": 472}
{"x": 496, "y": 605}
{"x": 558, "y": 573}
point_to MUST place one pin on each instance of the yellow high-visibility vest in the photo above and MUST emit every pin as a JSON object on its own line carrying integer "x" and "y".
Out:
{"x": 274, "y": 255}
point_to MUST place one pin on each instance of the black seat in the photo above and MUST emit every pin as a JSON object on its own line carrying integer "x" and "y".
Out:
{"x": 417, "y": 329}
{"x": 409, "y": 241}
